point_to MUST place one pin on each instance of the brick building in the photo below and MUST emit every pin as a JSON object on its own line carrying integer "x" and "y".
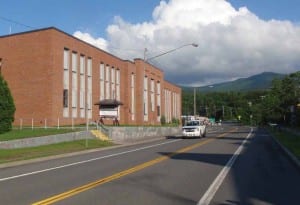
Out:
{"x": 56, "y": 78}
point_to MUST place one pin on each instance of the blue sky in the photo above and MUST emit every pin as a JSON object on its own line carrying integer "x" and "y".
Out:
{"x": 272, "y": 9}
{"x": 95, "y": 15}
{"x": 71, "y": 15}
{"x": 95, "y": 21}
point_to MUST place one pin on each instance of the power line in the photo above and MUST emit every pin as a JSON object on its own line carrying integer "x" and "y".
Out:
{"x": 15, "y": 22}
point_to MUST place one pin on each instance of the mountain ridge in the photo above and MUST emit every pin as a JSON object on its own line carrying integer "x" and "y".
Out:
{"x": 262, "y": 81}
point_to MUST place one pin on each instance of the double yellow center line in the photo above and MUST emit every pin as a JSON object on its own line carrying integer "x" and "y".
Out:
{"x": 139, "y": 167}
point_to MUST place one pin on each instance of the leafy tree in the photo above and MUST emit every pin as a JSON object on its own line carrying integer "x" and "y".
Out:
{"x": 254, "y": 107}
{"x": 7, "y": 107}
{"x": 285, "y": 92}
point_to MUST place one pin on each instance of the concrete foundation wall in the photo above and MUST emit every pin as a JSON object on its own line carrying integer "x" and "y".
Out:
{"x": 117, "y": 134}
{"x": 130, "y": 134}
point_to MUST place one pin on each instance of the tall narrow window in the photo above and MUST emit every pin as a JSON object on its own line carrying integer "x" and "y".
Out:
{"x": 107, "y": 82}
{"x": 145, "y": 98}
{"x": 66, "y": 80}
{"x": 174, "y": 104}
{"x": 177, "y": 106}
{"x": 168, "y": 105}
{"x": 158, "y": 101}
{"x": 132, "y": 87}
{"x": 89, "y": 88}
{"x": 102, "y": 85}
{"x": 113, "y": 87}
{"x": 74, "y": 84}
{"x": 65, "y": 98}
{"x": 118, "y": 97}
{"x": 82, "y": 87}
{"x": 152, "y": 87}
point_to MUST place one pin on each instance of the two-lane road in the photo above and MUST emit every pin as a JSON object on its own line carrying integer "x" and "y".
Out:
{"x": 233, "y": 165}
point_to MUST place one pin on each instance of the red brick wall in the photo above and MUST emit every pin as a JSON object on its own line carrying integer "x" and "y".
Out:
{"x": 27, "y": 69}
{"x": 32, "y": 63}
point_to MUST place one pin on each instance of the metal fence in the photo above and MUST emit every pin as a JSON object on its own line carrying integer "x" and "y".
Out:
{"x": 46, "y": 123}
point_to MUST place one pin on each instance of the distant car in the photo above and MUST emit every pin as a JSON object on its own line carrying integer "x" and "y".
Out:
{"x": 194, "y": 128}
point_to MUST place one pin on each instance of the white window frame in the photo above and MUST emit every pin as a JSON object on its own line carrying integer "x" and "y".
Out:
{"x": 82, "y": 87}
{"x": 152, "y": 90}
{"x": 113, "y": 87}
{"x": 132, "y": 88}
{"x": 158, "y": 92}
{"x": 107, "y": 82}
{"x": 118, "y": 78}
{"x": 89, "y": 87}
{"x": 74, "y": 84}
{"x": 102, "y": 81}
{"x": 145, "y": 98}
{"x": 66, "y": 79}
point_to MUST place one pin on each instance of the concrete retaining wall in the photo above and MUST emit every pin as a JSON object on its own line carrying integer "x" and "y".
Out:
{"x": 117, "y": 134}
{"x": 131, "y": 134}
{"x": 38, "y": 141}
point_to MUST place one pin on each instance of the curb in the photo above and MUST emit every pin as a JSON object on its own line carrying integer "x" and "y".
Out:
{"x": 290, "y": 155}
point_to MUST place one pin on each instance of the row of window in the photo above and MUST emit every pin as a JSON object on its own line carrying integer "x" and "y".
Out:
{"x": 77, "y": 85}
{"x": 109, "y": 82}
{"x": 152, "y": 98}
{"x": 172, "y": 105}
{"x": 81, "y": 85}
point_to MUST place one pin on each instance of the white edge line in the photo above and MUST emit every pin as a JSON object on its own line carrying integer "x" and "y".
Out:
{"x": 209, "y": 194}
{"x": 85, "y": 161}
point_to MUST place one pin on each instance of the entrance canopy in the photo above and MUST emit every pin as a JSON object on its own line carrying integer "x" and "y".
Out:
{"x": 109, "y": 103}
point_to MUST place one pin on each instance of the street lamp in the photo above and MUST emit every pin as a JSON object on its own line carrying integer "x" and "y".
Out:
{"x": 190, "y": 44}
{"x": 147, "y": 59}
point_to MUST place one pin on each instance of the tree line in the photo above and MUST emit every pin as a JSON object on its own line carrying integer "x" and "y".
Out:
{"x": 279, "y": 104}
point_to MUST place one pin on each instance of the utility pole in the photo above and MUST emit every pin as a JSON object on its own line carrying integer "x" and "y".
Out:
{"x": 223, "y": 111}
{"x": 194, "y": 101}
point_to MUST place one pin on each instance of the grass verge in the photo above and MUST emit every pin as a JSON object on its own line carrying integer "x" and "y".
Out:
{"x": 10, "y": 155}
{"x": 38, "y": 132}
{"x": 289, "y": 140}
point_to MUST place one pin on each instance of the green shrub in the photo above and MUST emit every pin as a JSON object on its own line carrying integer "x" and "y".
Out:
{"x": 7, "y": 107}
{"x": 163, "y": 120}
{"x": 175, "y": 121}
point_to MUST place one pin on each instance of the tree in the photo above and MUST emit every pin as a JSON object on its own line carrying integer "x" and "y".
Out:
{"x": 7, "y": 107}
{"x": 284, "y": 96}
{"x": 279, "y": 104}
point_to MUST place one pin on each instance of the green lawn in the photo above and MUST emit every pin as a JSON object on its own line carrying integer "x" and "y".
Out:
{"x": 290, "y": 141}
{"x": 26, "y": 133}
{"x": 9, "y": 155}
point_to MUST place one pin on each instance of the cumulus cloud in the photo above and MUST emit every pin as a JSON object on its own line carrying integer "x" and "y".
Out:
{"x": 232, "y": 42}
{"x": 98, "y": 42}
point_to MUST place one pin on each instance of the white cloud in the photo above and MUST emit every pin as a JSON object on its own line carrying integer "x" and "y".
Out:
{"x": 232, "y": 42}
{"x": 99, "y": 42}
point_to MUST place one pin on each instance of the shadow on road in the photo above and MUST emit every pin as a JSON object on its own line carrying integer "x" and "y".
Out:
{"x": 218, "y": 159}
{"x": 261, "y": 174}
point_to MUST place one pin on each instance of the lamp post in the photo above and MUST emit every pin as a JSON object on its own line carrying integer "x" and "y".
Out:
{"x": 172, "y": 50}
{"x": 144, "y": 72}
{"x": 195, "y": 112}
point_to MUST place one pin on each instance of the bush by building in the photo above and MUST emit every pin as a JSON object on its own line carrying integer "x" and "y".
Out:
{"x": 7, "y": 107}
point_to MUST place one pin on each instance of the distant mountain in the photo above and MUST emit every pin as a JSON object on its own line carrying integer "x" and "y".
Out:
{"x": 261, "y": 81}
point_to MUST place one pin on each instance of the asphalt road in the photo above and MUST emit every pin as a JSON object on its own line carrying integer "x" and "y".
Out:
{"x": 232, "y": 165}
